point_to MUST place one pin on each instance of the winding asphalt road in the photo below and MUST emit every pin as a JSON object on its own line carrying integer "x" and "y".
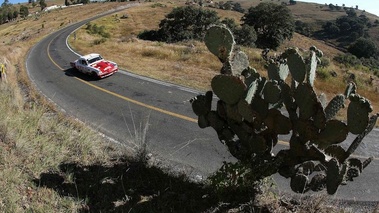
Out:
{"x": 123, "y": 104}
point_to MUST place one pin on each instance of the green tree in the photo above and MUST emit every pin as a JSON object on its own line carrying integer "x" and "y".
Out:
{"x": 237, "y": 7}
{"x": 43, "y": 4}
{"x": 5, "y": 3}
{"x": 24, "y": 11}
{"x": 273, "y": 23}
{"x": 363, "y": 47}
{"x": 185, "y": 23}
{"x": 230, "y": 23}
{"x": 15, "y": 13}
{"x": 245, "y": 35}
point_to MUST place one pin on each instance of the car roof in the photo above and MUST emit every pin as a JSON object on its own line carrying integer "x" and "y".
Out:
{"x": 90, "y": 56}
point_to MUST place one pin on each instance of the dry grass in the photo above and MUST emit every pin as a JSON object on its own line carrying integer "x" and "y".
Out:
{"x": 190, "y": 64}
{"x": 34, "y": 138}
{"x": 36, "y": 141}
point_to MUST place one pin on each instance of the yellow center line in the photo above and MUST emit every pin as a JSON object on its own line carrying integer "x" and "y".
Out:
{"x": 124, "y": 97}
{"x": 285, "y": 143}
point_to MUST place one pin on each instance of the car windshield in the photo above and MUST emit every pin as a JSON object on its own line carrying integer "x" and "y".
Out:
{"x": 92, "y": 60}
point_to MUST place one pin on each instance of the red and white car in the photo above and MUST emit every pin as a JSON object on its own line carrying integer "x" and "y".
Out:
{"x": 95, "y": 65}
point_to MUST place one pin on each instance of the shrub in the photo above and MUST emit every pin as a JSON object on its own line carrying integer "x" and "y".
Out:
{"x": 348, "y": 60}
{"x": 186, "y": 23}
{"x": 323, "y": 73}
{"x": 273, "y": 24}
{"x": 99, "y": 30}
{"x": 99, "y": 41}
{"x": 325, "y": 62}
{"x": 363, "y": 47}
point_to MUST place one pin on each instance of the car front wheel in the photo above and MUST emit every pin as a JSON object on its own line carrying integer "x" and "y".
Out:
{"x": 94, "y": 75}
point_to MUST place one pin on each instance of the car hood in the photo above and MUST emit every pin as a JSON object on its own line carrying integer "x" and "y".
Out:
{"x": 103, "y": 66}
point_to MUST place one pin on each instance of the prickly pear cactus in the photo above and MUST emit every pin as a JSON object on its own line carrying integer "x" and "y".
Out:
{"x": 250, "y": 116}
{"x": 220, "y": 42}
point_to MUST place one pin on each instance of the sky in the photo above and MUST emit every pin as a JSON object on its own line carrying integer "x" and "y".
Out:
{"x": 371, "y": 6}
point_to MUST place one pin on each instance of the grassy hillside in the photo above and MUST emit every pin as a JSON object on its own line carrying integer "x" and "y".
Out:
{"x": 52, "y": 163}
{"x": 190, "y": 64}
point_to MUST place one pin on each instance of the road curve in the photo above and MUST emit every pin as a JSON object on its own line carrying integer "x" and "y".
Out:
{"x": 170, "y": 137}
{"x": 123, "y": 104}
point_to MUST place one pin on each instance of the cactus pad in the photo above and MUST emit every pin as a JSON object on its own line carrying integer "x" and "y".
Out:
{"x": 307, "y": 167}
{"x": 220, "y": 42}
{"x": 239, "y": 62}
{"x": 251, "y": 91}
{"x": 271, "y": 92}
{"x": 228, "y": 88}
{"x": 307, "y": 100}
{"x": 306, "y": 130}
{"x": 201, "y": 104}
{"x": 311, "y": 74}
{"x": 248, "y": 117}
{"x": 357, "y": 114}
{"x": 277, "y": 72}
{"x": 318, "y": 182}
{"x": 215, "y": 121}
{"x": 350, "y": 89}
{"x": 278, "y": 123}
{"x": 233, "y": 113}
{"x": 334, "y": 106}
{"x": 299, "y": 183}
{"x": 260, "y": 107}
{"x": 246, "y": 111}
{"x": 296, "y": 65}
{"x": 202, "y": 122}
{"x": 334, "y": 175}
{"x": 334, "y": 132}
{"x": 337, "y": 152}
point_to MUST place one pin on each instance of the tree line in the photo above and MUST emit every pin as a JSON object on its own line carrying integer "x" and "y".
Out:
{"x": 265, "y": 26}
{"x": 10, "y": 12}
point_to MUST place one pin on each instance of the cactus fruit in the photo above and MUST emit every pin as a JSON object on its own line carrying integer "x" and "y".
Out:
{"x": 248, "y": 118}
